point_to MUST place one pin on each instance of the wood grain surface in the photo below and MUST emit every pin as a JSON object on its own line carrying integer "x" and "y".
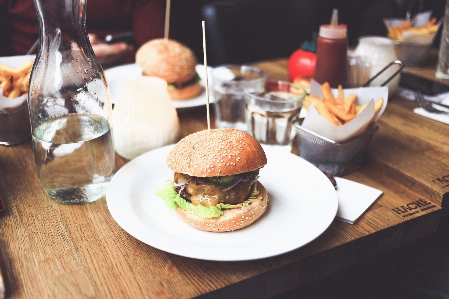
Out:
{"x": 51, "y": 250}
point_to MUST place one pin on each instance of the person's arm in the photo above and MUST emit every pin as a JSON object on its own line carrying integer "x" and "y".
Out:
{"x": 147, "y": 22}
{"x": 110, "y": 54}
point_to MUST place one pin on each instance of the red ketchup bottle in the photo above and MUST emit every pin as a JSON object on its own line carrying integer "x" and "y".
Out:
{"x": 332, "y": 53}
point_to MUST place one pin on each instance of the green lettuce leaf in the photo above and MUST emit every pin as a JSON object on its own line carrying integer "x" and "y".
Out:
{"x": 173, "y": 200}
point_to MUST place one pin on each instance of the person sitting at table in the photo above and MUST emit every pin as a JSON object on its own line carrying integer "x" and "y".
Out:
{"x": 19, "y": 28}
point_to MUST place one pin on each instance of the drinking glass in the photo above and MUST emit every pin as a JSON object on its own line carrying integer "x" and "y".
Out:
{"x": 379, "y": 51}
{"x": 230, "y": 83}
{"x": 270, "y": 114}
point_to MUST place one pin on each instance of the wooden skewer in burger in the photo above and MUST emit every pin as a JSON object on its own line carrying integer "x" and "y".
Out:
{"x": 215, "y": 186}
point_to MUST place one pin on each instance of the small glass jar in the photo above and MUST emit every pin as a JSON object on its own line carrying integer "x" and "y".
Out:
{"x": 379, "y": 52}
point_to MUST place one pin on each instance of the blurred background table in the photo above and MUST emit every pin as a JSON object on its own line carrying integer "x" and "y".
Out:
{"x": 50, "y": 250}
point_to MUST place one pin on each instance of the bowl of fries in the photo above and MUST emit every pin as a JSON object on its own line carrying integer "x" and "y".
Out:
{"x": 14, "y": 117}
{"x": 336, "y": 132}
{"x": 413, "y": 39}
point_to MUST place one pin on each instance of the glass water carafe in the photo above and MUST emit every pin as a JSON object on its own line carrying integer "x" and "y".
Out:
{"x": 69, "y": 107}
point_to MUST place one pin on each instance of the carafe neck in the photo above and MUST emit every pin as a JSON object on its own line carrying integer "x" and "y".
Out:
{"x": 62, "y": 24}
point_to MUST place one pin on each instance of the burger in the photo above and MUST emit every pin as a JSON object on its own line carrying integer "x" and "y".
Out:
{"x": 215, "y": 186}
{"x": 173, "y": 62}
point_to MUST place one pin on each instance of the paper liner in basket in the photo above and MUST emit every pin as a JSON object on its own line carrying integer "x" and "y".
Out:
{"x": 316, "y": 123}
{"x": 420, "y": 19}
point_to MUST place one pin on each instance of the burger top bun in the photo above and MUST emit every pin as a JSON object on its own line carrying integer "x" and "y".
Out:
{"x": 218, "y": 152}
{"x": 166, "y": 59}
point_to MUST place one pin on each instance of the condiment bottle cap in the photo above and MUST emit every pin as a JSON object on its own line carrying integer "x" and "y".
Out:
{"x": 333, "y": 30}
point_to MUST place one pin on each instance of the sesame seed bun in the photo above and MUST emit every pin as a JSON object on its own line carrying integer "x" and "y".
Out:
{"x": 232, "y": 219}
{"x": 218, "y": 152}
{"x": 166, "y": 59}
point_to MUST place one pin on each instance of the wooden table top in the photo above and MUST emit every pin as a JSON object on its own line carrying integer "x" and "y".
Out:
{"x": 51, "y": 250}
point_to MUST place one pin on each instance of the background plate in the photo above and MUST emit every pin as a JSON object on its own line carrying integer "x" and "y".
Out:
{"x": 118, "y": 74}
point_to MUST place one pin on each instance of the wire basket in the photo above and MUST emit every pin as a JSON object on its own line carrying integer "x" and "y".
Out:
{"x": 15, "y": 126}
{"x": 336, "y": 158}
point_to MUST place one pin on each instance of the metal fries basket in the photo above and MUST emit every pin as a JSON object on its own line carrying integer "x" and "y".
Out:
{"x": 15, "y": 126}
{"x": 336, "y": 158}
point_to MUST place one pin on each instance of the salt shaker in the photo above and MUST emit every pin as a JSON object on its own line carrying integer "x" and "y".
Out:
{"x": 70, "y": 107}
{"x": 443, "y": 56}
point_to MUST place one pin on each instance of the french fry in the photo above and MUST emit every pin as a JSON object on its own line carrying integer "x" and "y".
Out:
{"x": 406, "y": 24}
{"x": 378, "y": 105}
{"x": 340, "y": 92}
{"x": 15, "y": 81}
{"x": 327, "y": 92}
{"x": 309, "y": 100}
{"x": 306, "y": 103}
{"x": 325, "y": 113}
{"x": 15, "y": 91}
{"x": 351, "y": 99}
{"x": 340, "y": 113}
{"x": 432, "y": 21}
{"x": 7, "y": 84}
{"x": 340, "y": 99}
{"x": 360, "y": 108}
{"x": 6, "y": 71}
{"x": 350, "y": 103}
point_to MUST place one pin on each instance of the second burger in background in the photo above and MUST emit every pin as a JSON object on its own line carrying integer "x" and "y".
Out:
{"x": 173, "y": 62}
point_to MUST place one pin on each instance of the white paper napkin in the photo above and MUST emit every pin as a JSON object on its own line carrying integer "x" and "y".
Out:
{"x": 442, "y": 98}
{"x": 444, "y": 117}
{"x": 354, "y": 199}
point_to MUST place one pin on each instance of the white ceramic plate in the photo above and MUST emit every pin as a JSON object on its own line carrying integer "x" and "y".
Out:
{"x": 303, "y": 203}
{"x": 118, "y": 74}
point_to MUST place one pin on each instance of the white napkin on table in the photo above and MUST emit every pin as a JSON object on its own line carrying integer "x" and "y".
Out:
{"x": 354, "y": 199}
{"x": 444, "y": 118}
{"x": 442, "y": 98}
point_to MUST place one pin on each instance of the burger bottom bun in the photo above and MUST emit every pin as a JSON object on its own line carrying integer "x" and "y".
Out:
{"x": 185, "y": 93}
{"x": 232, "y": 219}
